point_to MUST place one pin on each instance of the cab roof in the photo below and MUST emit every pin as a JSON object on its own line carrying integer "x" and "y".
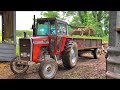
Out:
{"x": 38, "y": 19}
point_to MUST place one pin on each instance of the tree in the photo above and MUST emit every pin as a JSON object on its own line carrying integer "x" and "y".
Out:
{"x": 102, "y": 20}
{"x": 98, "y": 20}
{"x": 51, "y": 14}
{"x": 80, "y": 17}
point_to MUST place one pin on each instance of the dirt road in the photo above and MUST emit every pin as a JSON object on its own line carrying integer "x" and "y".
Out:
{"x": 87, "y": 68}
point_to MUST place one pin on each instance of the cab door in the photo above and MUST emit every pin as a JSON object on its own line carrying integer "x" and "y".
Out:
{"x": 57, "y": 42}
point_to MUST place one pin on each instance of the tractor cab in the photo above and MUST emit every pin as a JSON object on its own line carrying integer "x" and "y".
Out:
{"x": 49, "y": 27}
{"x": 55, "y": 30}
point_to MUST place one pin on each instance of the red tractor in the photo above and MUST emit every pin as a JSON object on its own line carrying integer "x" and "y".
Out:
{"x": 50, "y": 43}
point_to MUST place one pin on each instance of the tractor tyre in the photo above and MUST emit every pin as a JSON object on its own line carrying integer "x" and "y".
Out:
{"x": 48, "y": 69}
{"x": 96, "y": 53}
{"x": 18, "y": 68}
{"x": 70, "y": 54}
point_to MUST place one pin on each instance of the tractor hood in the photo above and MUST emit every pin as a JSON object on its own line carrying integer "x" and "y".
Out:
{"x": 40, "y": 40}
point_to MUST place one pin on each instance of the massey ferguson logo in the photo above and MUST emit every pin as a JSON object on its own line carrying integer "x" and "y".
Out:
{"x": 41, "y": 42}
{"x": 45, "y": 41}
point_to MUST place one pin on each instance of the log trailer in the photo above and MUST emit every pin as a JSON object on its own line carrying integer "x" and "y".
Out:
{"x": 51, "y": 42}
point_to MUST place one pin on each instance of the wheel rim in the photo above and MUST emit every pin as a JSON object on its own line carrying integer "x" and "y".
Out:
{"x": 98, "y": 53}
{"x": 74, "y": 57}
{"x": 18, "y": 68}
{"x": 49, "y": 71}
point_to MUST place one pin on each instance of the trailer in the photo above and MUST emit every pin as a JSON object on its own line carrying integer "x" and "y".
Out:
{"x": 92, "y": 45}
{"x": 86, "y": 44}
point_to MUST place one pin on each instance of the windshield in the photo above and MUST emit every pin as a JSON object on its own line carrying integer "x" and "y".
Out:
{"x": 45, "y": 28}
{"x": 42, "y": 28}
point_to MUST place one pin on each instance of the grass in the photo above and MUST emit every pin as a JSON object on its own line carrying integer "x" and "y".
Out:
{"x": 17, "y": 50}
{"x": 104, "y": 39}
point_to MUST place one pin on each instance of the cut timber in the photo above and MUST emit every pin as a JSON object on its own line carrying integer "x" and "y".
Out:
{"x": 82, "y": 31}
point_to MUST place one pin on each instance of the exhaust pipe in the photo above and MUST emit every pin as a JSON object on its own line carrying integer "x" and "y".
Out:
{"x": 24, "y": 34}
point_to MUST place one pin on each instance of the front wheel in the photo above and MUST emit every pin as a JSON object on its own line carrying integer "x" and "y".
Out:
{"x": 48, "y": 69}
{"x": 18, "y": 68}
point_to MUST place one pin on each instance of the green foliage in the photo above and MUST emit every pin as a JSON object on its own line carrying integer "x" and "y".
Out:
{"x": 104, "y": 39}
{"x": 97, "y": 20}
{"x": 17, "y": 50}
{"x": 51, "y": 14}
{"x": 87, "y": 37}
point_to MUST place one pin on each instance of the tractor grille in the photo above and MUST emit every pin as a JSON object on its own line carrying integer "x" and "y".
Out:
{"x": 25, "y": 49}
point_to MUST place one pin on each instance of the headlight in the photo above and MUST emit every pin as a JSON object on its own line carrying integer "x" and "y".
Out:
{"x": 24, "y": 54}
{"x": 21, "y": 54}
{"x": 28, "y": 55}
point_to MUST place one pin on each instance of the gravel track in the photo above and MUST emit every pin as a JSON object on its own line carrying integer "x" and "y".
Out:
{"x": 87, "y": 68}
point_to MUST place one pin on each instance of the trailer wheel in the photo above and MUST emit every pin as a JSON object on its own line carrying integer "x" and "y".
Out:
{"x": 80, "y": 53}
{"x": 70, "y": 55}
{"x": 18, "y": 68}
{"x": 48, "y": 69}
{"x": 106, "y": 55}
{"x": 96, "y": 53}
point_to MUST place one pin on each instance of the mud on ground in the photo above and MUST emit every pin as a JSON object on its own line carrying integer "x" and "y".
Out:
{"x": 86, "y": 68}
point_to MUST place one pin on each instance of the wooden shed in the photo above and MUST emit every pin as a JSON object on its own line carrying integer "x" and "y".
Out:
{"x": 8, "y": 42}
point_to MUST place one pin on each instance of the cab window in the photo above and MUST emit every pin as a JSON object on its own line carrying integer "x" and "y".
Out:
{"x": 62, "y": 30}
{"x": 52, "y": 28}
{"x": 43, "y": 28}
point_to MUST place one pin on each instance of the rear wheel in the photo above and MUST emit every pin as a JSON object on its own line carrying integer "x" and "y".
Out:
{"x": 70, "y": 55}
{"x": 18, "y": 68}
{"x": 48, "y": 69}
{"x": 96, "y": 53}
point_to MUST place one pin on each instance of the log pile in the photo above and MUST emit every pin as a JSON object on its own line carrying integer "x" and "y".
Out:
{"x": 82, "y": 31}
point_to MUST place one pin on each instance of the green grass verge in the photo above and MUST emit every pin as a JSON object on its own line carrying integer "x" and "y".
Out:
{"x": 17, "y": 50}
{"x": 104, "y": 39}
